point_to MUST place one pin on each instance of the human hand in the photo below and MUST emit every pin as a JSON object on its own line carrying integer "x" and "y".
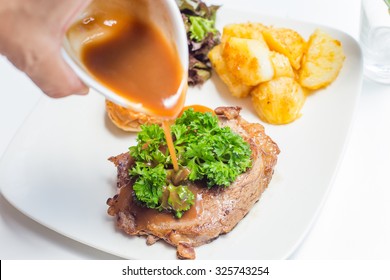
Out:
{"x": 31, "y": 35}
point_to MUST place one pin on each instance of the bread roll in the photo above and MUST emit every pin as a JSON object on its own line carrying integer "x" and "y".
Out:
{"x": 127, "y": 119}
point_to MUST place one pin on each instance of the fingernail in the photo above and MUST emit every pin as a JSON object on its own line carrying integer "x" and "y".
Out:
{"x": 84, "y": 91}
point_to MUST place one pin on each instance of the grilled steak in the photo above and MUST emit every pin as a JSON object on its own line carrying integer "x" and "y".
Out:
{"x": 216, "y": 211}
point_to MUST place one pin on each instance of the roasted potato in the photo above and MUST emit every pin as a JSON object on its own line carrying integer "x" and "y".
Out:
{"x": 322, "y": 62}
{"x": 282, "y": 66}
{"x": 287, "y": 42}
{"x": 278, "y": 101}
{"x": 236, "y": 87}
{"x": 276, "y": 66}
{"x": 248, "y": 60}
{"x": 250, "y": 30}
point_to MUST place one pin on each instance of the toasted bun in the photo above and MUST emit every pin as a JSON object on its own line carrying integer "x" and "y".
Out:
{"x": 127, "y": 119}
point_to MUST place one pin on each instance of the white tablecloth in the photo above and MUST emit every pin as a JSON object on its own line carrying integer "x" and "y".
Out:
{"x": 355, "y": 220}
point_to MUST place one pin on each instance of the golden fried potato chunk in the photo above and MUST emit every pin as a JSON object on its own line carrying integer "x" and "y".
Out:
{"x": 322, "y": 62}
{"x": 278, "y": 101}
{"x": 286, "y": 41}
{"x": 248, "y": 60}
{"x": 282, "y": 66}
{"x": 249, "y": 30}
{"x": 235, "y": 86}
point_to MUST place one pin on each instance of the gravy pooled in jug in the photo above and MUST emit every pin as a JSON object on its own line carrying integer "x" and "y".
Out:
{"x": 136, "y": 61}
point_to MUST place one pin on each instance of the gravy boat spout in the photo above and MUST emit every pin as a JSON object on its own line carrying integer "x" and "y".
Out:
{"x": 103, "y": 21}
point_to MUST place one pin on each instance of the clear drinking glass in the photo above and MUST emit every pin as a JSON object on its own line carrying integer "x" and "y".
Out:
{"x": 375, "y": 39}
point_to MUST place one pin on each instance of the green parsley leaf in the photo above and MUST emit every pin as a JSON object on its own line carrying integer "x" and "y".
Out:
{"x": 178, "y": 199}
{"x": 151, "y": 140}
{"x": 212, "y": 152}
{"x": 148, "y": 187}
{"x": 207, "y": 151}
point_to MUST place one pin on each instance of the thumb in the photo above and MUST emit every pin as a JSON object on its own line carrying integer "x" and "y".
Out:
{"x": 55, "y": 78}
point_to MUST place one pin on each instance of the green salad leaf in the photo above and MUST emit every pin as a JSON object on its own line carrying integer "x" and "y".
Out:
{"x": 200, "y": 27}
{"x": 199, "y": 21}
{"x": 205, "y": 151}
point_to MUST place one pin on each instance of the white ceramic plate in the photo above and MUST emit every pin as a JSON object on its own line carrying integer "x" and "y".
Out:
{"x": 56, "y": 170}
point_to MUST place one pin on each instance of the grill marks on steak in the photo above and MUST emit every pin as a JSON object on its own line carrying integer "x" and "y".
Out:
{"x": 216, "y": 211}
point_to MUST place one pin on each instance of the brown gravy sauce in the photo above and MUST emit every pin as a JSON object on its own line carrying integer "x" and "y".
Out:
{"x": 136, "y": 61}
{"x": 144, "y": 216}
{"x": 168, "y": 136}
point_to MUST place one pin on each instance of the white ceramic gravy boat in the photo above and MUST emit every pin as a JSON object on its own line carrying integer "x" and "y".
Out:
{"x": 164, "y": 13}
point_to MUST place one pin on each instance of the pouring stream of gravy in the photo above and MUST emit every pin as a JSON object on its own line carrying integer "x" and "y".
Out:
{"x": 134, "y": 59}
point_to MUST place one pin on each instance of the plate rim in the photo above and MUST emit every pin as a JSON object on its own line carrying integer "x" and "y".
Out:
{"x": 318, "y": 209}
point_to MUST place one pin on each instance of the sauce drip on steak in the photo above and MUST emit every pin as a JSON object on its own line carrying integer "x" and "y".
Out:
{"x": 216, "y": 211}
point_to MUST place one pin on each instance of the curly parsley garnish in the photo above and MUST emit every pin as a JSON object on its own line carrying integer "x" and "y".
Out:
{"x": 204, "y": 149}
